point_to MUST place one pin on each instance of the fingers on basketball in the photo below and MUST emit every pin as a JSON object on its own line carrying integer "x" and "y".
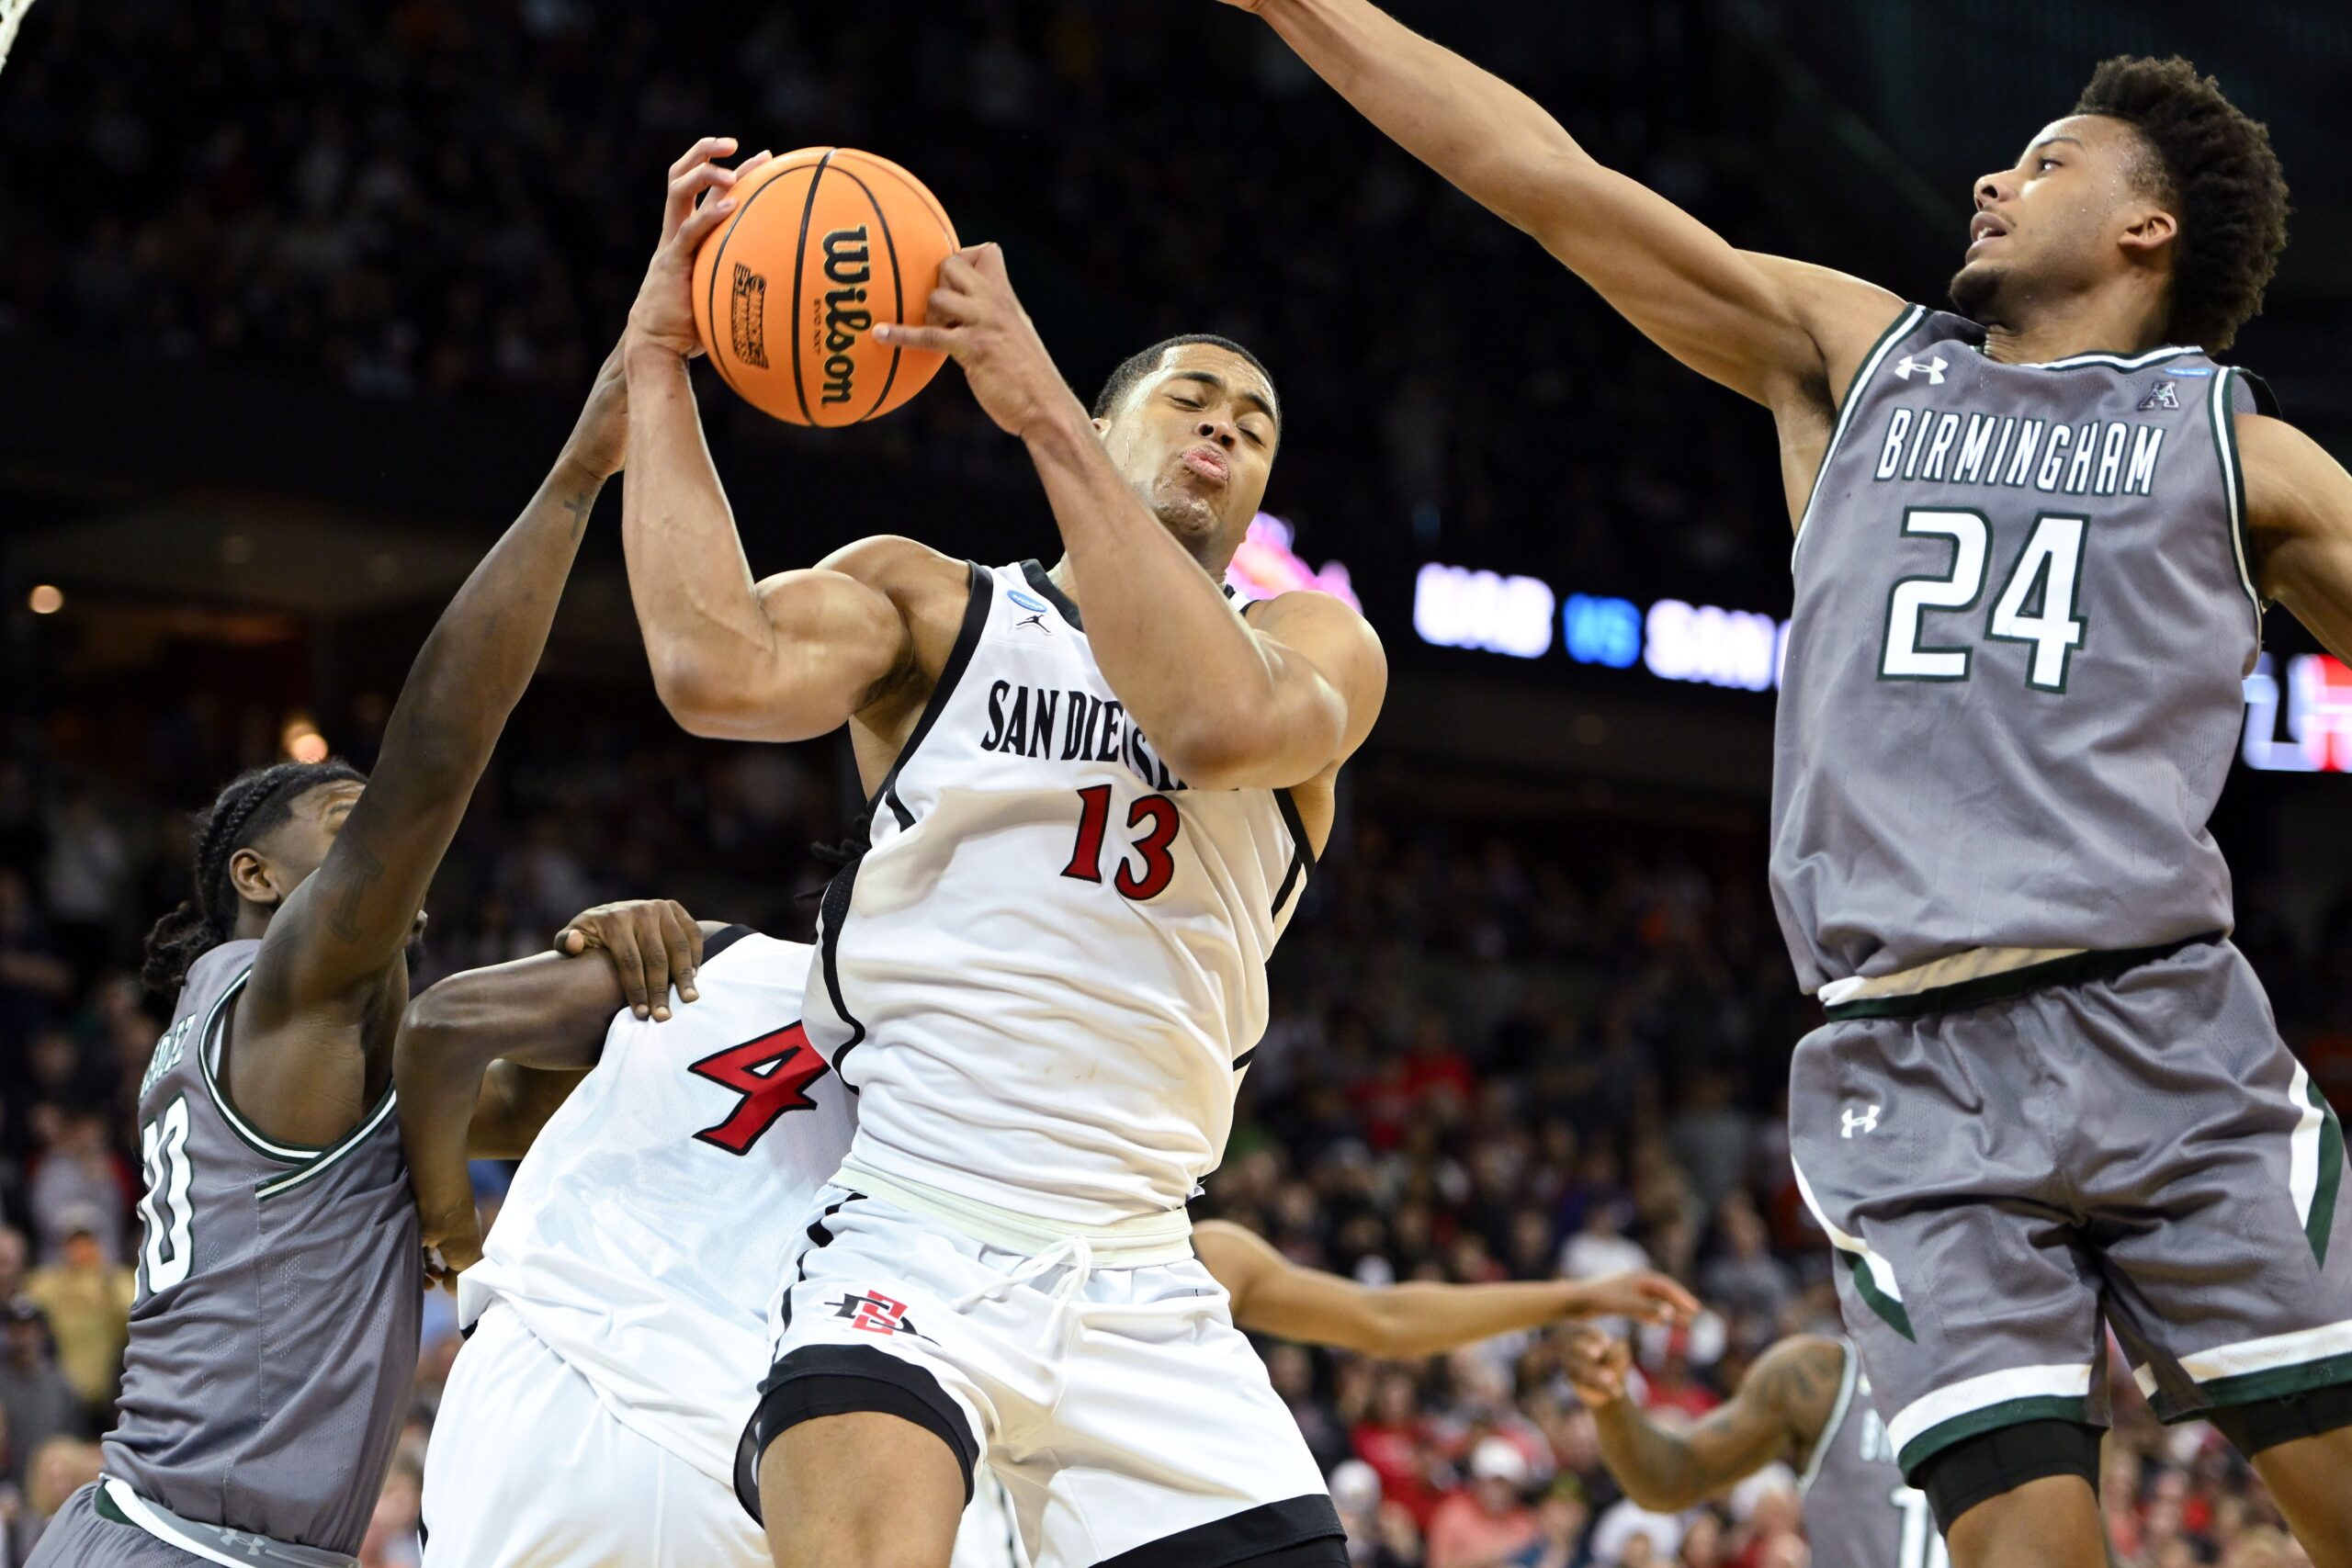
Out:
{"x": 822, "y": 245}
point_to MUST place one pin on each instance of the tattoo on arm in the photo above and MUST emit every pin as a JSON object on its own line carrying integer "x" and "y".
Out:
{"x": 358, "y": 872}
{"x": 579, "y": 506}
{"x": 1797, "y": 1387}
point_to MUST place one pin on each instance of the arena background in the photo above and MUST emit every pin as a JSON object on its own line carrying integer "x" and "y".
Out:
{"x": 297, "y": 297}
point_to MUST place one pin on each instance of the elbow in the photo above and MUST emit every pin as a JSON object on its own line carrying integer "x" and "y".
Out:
{"x": 1227, "y": 753}
{"x": 446, "y": 1027}
{"x": 695, "y": 693}
{"x": 1533, "y": 190}
{"x": 1661, "y": 1499}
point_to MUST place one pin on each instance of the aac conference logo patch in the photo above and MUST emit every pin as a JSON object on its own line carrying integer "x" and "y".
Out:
{"x": 1025, "y": 601}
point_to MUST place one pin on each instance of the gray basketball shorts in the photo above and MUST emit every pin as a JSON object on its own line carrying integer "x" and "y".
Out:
{"x": 79, "y": 1537}
{"x": 2139, "y": 1150}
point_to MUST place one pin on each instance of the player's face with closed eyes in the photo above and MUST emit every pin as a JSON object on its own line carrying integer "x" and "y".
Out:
{"x": 1197, "y": 437}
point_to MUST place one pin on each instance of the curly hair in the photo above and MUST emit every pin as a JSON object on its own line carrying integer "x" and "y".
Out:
{"x": 2214, "y": 162}
{"x": 247, "y": 809}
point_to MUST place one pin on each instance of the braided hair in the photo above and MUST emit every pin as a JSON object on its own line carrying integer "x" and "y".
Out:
{"x": 247, "y": 809}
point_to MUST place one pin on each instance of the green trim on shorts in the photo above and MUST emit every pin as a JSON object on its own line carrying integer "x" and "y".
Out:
{"x": 2276, "y": 1382}
{"x": 2322, "y": 1221}
{"x": 1878, "y": 1301}
{"x": 107, "y": 1508}
{"x": 2072, "y": 970}
{"x": 1992, "y": 1418}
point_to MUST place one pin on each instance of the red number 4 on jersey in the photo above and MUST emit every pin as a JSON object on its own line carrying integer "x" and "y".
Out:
{"x": 771, "y": 1073}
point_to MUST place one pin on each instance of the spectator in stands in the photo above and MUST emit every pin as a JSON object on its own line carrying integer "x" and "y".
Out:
{"x": 79, "y": 1180}
{"x": 1747, "y": 1281}
{"x": 1487, "y": 1523}
{"x": 1601, "y": 1247}
{"x": 39, "y": 1403}
{"x": 12, "y": 1262}
{"x": 59, "y": 1468}
{"x": 35, "y": 983}
{"x": 87, "y": 1298}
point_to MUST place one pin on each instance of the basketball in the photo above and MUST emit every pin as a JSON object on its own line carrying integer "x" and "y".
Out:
{"x": 823, "y": 243}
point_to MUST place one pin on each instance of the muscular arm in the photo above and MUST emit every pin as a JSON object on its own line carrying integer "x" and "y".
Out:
{"x": 787, "y": 659}
{"x": 1272, "y": 1295}
{"x": 1766, "y": 329}
{"x": 297, "y": 1070}
{"x": 1229, "y": 704}
{"x": 482, "y": 1061}
{"x": 1778, "y": 1412}
{"x": 2299, "y": 515}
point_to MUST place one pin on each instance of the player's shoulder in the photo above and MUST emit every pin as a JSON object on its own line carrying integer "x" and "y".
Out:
{"x": 1316, "y": 612}
{"x": 899, "y": 567}
{"x": 742, "y": 952}
{"x": 1845, "y": 316}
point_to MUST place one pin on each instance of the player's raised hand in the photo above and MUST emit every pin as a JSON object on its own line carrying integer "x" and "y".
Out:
{"x": 697, "y": 201}
{"x": 974, "y": 317}
{"x": 1598, "y": 1365}
{"x": 652, "y": 943}
{"x": 1640, "y": 1293}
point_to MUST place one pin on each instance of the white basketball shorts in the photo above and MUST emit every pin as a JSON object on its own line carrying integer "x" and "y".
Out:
{"x": 1131, "y": 1424}
{"x": 527, "y": 1469}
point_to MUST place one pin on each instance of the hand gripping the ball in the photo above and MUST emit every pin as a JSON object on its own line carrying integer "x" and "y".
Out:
{"x": 664, "y": 316}
{"x": 975, "y": 319}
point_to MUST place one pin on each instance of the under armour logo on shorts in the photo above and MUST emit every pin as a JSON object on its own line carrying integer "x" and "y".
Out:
{"x": 877, "y": 1314}
{"x": 1866, "y": 1120}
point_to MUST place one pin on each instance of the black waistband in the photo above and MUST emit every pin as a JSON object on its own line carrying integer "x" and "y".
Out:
{"x": 2072, "y": 970}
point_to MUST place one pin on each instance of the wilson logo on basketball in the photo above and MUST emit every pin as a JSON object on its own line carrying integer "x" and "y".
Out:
{"x": 849, "y": 263}
{"x": 747, "y": 312}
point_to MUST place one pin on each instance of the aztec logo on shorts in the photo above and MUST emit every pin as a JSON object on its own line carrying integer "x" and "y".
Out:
{"x": 877, "y": 1314}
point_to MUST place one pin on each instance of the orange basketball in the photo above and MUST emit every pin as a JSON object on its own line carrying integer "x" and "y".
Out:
{"x": 822, "y": 244}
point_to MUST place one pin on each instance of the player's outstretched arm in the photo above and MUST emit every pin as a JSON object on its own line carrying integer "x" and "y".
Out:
{"x": 330, "y": 948}
{"x": 1765, "y": 328}
{"x": 788, "y": 659}
{"x": 1227, "y": 706}
{"x": 484, "y": 1058}
{"x": 1779, "y": 1411}
{"x": 2299, "y": 515}
{"x": 1272, "y": 1295}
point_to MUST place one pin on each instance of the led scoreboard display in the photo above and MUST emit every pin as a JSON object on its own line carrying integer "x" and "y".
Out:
{"x": 2301, "y": 722}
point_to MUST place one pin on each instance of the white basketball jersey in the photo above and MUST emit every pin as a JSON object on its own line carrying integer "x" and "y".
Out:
{"x": 1046, "y": 974}
{"x": 645, "y": 1232}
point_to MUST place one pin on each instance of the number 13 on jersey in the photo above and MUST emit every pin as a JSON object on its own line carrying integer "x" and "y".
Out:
{"x": 2037, "y": 606}
{"x": 1156, "y": 814}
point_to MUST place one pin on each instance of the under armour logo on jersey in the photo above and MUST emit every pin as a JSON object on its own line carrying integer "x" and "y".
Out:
{"x": 1865, "y": 1120}
{"x": 877, "y": 1314}
{"x": 2162, "y": 396}
{"x": 1037, "y": 621}
{"x": 1932, "y": 370}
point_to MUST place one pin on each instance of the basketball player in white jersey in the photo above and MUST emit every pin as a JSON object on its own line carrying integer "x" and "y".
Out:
{"x": 1098, "y": 790}
{"x": 617, "y": 1312}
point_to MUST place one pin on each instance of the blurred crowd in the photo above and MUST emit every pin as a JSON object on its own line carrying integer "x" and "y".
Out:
{"x": 438, "y": 198}
{"x": 1497, "y": 1052}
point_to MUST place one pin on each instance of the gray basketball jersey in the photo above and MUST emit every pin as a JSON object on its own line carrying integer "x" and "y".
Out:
{"x": 275, "y": 1335}
{"x": 1857, "y": 1511}
{"x": 2013, "y": 682}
